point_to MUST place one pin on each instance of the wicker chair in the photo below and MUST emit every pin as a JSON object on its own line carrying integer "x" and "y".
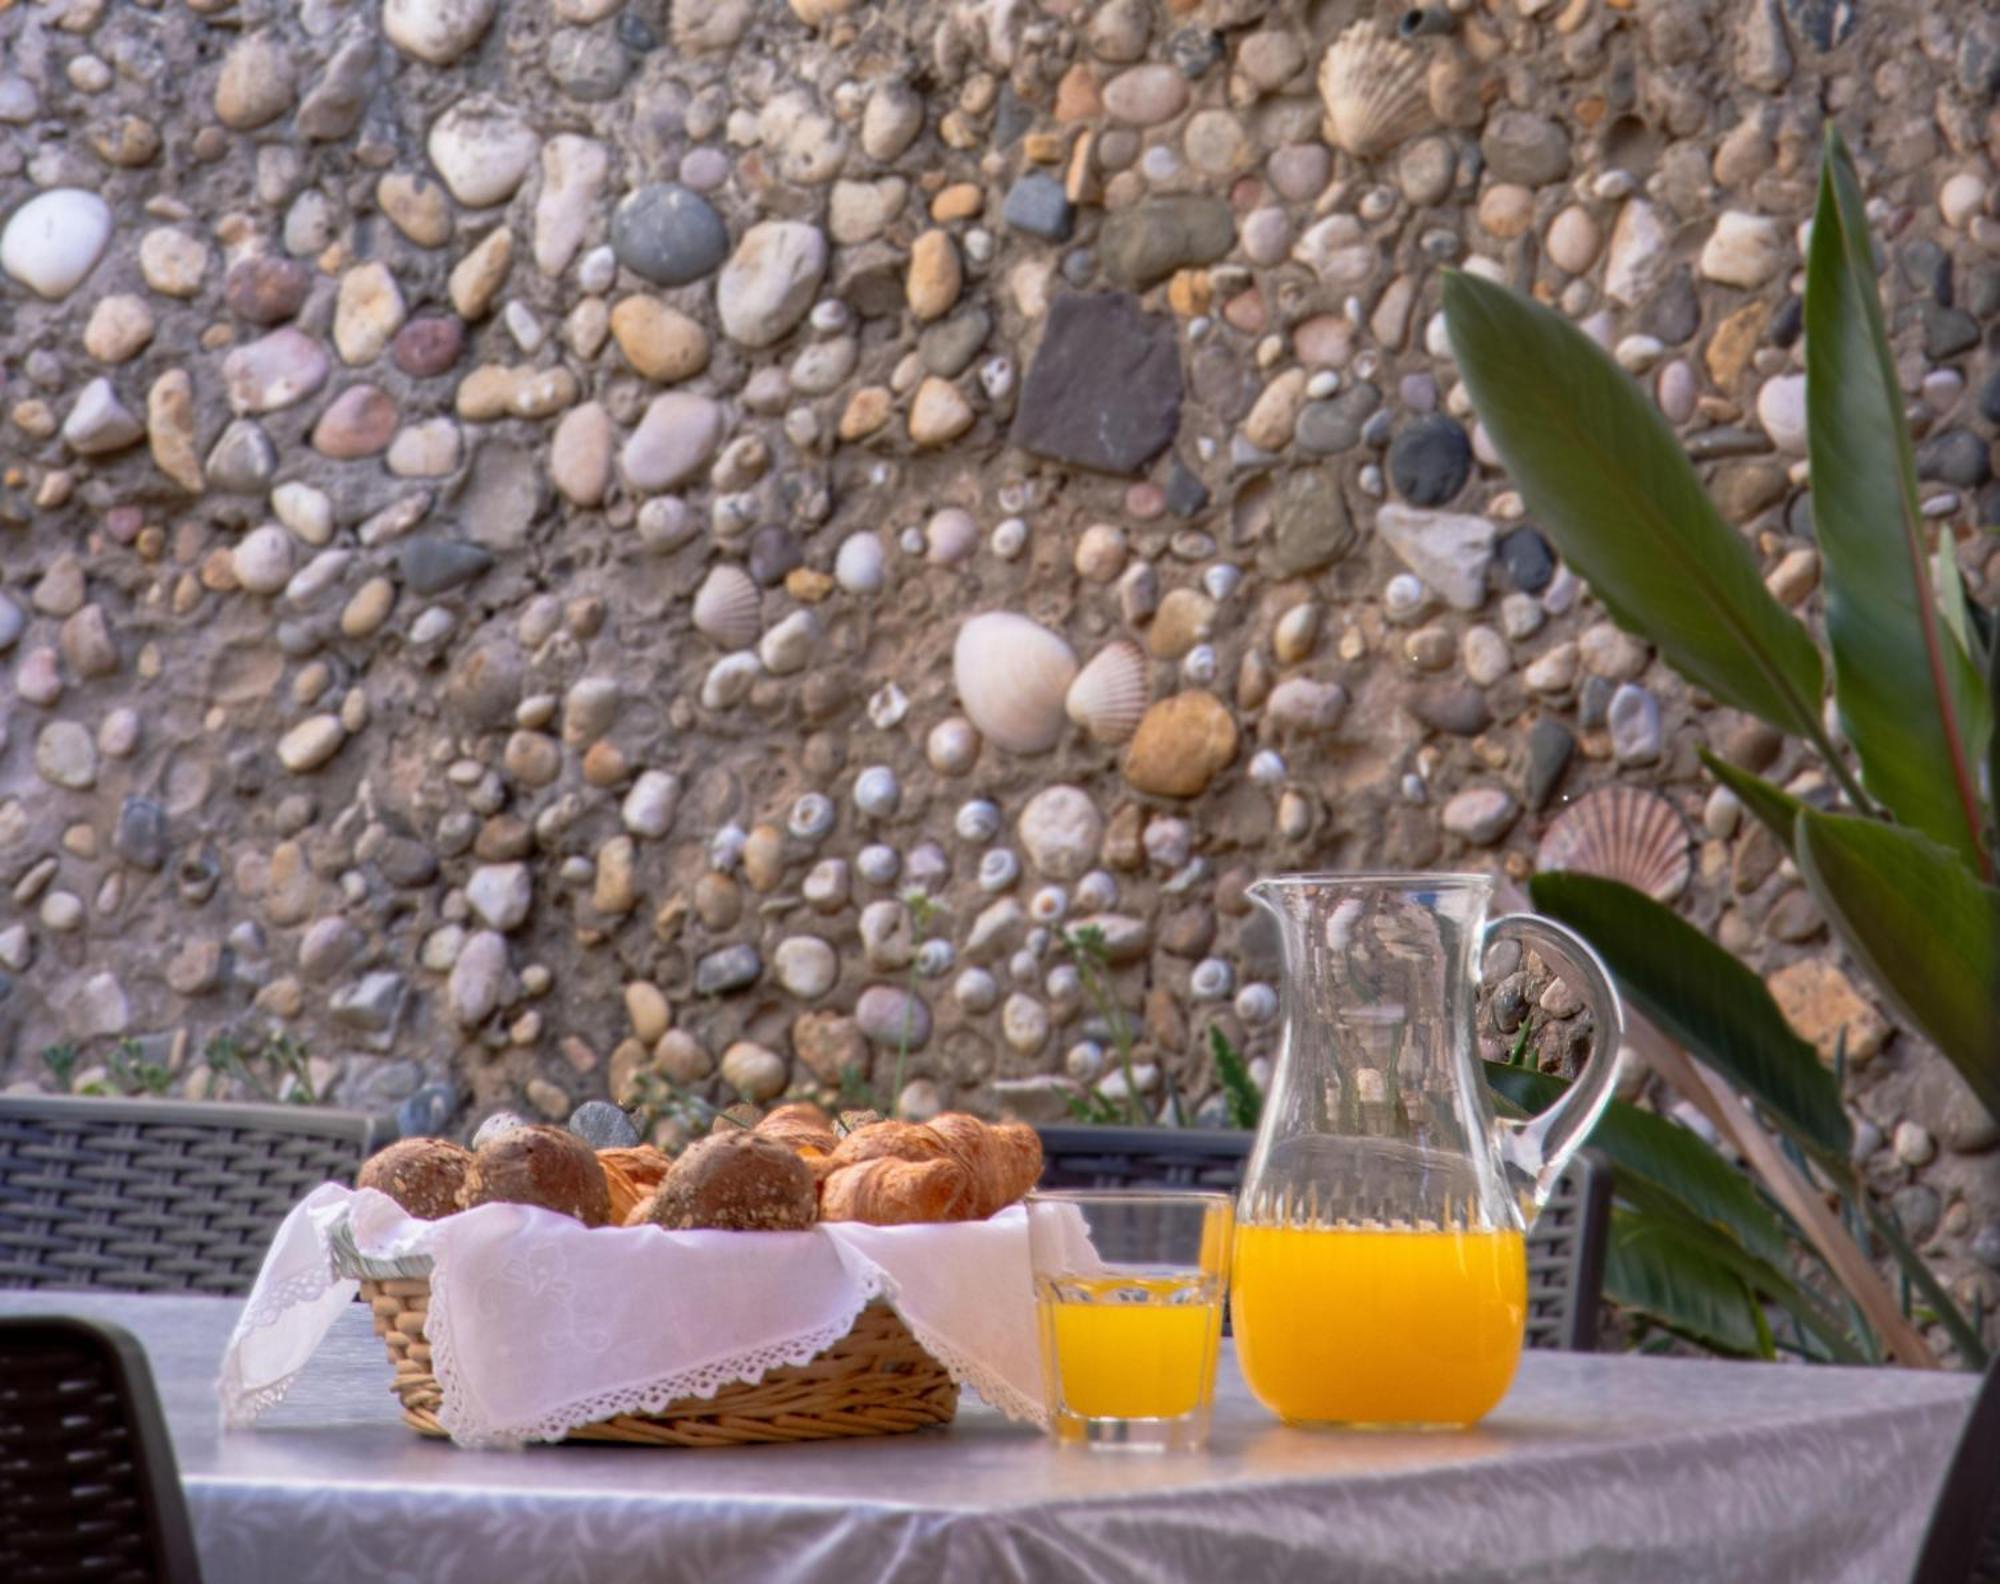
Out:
{"x": 158, "y": 1196}
{"x": 87, "y": 1482}
{"x": 1963, "y": 1545}
{"x": 1565, "y": 1250}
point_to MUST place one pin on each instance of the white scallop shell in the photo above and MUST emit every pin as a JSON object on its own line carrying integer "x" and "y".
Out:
{"x": 1622, "y": 833}
{"x": 1110, "y": 694}
{"x": 1374, "y": 91}
{"x": 1011, "y": 675}
{"x": 728, "y": 610}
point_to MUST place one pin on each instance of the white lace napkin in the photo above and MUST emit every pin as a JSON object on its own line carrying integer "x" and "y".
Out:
{"x": 538, "y": 1325}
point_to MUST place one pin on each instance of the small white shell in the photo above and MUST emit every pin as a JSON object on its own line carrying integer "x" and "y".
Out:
{"x": 1622, "y": 833}
{"x": 1009, "y": 538}
{"x": 1256, "y": 1003}
{"x": 1211, "y": 979}
{"x": 887, "y": 706}
{"x": 1267, "y": 767}
{"x": 1375, "y": 91}
{"x": 1221, "y": 580}
{"x": 1011, "y": 675}
{"x": 1048, "y": 904}
{"x": 1199, "y": 665}
{"x": 1096, "y": 892}
{"x": 1109, "y": 695}
{"x": 1084, "y": 1060}
{"x": 978, "y": 820}
{"x": 812, "y": 816}
{"x": 998, "y": 869}
{"x": 952, "y": 746}
{"x": 878, "y": 863}
{"x": 935, "y": 957}
{"x": 728, "y": 608}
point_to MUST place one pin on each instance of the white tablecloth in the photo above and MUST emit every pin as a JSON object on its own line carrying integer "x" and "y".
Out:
{"x": 1595, "y": 1469}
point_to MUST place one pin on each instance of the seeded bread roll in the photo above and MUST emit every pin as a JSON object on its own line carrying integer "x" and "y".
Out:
{"x": 423, "y": 1175}
{"x": 738, "y": 1182}
{"x": 539, "y": 1165}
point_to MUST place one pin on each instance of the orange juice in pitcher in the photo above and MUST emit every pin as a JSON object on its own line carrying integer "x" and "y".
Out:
{"x": 1380, "y": 1271}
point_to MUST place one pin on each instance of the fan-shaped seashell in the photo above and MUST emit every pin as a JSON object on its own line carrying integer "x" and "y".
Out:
{"x": 1374, "y": 92}
{"x": 1011, "y": 675}
{"x": 1111, "y": 693}
{"x": 728, "y": 609}
{"x": 1622, "y": 833}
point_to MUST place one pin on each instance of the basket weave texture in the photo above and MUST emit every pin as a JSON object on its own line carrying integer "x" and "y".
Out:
{"x": 874, "y": 1381}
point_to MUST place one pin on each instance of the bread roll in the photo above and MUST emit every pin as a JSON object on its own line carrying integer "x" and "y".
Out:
{"x": 739, "y": 1182}
{"x": 1002, "y": 1162}
{"x": 423, "y": 1175}
{"x": 540, "y": 1165}
{"x": 631, "y": 1173}
{"x": 886, "y": 1191}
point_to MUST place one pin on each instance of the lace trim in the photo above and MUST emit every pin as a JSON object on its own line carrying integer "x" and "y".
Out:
{"x": 270, "y": 1307}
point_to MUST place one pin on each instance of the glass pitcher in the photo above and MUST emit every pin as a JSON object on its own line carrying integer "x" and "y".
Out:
{"x": 1380, "y": 1275}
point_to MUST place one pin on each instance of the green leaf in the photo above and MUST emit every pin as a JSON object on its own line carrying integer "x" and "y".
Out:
{"x": 1606, "y": 480}
{"x": 1925, "y": 930}
{"x": 1678, "y": 1161}
{"x": 1775, "y": 808}
{"x": 1907, "y": 689}
{"x": 1769, "y": 1281}
{"x": 1703, "y": 997}
{"x": 1652, "y": 1266}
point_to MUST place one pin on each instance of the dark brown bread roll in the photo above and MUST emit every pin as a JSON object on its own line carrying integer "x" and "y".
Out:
{"x": 737, "y": 1182}
{"x": 423, "y": 1175}
{"x": 538, "y": 1165}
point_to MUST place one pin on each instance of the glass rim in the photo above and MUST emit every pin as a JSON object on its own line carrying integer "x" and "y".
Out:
{"x": 1405, "y": 879}
{"x": 1131, "y": 1196}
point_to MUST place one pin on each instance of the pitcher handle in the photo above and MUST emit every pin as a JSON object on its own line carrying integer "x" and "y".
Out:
{"x": 1536, "y": 1149}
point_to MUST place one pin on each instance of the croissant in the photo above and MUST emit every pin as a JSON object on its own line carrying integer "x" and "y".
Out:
{"x": 632, "y": 1174}
{"x": 886, "y": 1191}
{"x": 1002, "y": 1162}
{"x": 909, "y": 1141}
{"x": 803, "y": 1126}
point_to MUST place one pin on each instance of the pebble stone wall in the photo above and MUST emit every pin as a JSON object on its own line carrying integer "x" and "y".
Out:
{"x": 528, "y": 528}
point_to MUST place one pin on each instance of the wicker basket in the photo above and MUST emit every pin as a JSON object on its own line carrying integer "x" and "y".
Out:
{"x": 874, "y": 1381}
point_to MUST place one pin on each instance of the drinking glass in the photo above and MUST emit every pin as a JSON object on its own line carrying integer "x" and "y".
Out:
{"x": 1129, "y": 1289}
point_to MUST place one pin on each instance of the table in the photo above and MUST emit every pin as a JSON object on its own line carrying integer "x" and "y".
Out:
{"x": 1611, "y": 1470}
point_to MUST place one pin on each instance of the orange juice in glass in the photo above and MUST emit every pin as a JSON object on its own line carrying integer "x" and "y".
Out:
{"x": 1128, "y": 1299}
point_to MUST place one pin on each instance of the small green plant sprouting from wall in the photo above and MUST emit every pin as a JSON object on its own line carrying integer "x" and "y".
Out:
{"x": 1087, "y": 949}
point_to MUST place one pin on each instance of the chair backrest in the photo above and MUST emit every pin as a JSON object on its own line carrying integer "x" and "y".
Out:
{"x": 88, "y": 1488}
{"x": 158, "y": 1195}
{"x": 1565, "y": 1249}
{"x": 1963, "y": 1542}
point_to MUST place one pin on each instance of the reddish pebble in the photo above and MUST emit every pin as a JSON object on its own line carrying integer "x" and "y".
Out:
{"x": 428, "y": 345}
{"x": 1145, "y": 501}
{"x": 123, "y": 523}
{"x": 361, "y": 422}
{"x": 267, "y": 291}
{"x": 1246, "y": 312}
